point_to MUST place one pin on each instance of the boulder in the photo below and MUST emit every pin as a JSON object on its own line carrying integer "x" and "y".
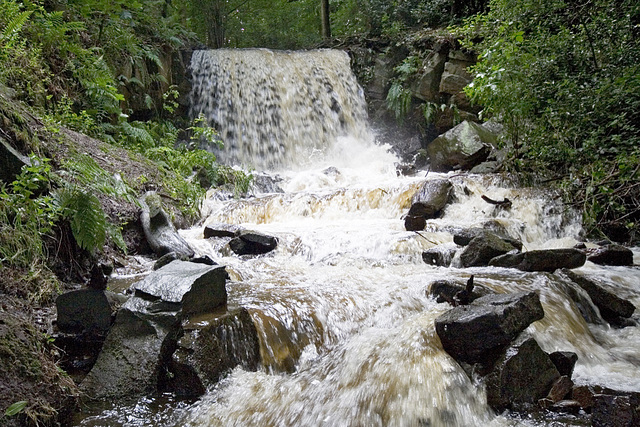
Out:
{"x": 133, "y": 352}
{"x": 263, "y": 183}
{"x": 159, "y": 230}
{"x": 541, "y": 260}
{"x": 186, "y": 286}
{"x": 446, "y": 290}
{"x": 463, "y": 147}
{"x": 478, "y": 332}
{"x": 580, "y": 297}
{"x": 611, "y": 255}
{"x": 439, "y": 256}
{"x": 86, "y": 311}
{"x": 455, "y": 76}
{"x": 615, "y": 411}
{"x": 564, "y": 361}
{"x": 204, "y": 355}
{"x": 522, "y": 376}
{"x": 253, "y": 243}
{"x": 560, "y": 389}
{"x": 483, "y": 249}
{"x": 611, "y": 306}
{"x": 11, "y": 162}
{"x": 221, "y": 230}
{"x": 463, "y": 237}
{"x": 431, "y": 198}
{"x": 414, "y": 223}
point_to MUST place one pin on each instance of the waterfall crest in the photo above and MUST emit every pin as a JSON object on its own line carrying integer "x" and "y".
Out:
{"x": 274, "y": 109}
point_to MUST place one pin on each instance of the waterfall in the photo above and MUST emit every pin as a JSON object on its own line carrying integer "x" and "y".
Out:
{"x": 275, "y": 109}
{"x": 344, "y": 320}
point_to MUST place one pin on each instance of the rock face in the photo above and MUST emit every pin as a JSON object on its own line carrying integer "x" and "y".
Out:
{"x": 187, "y": 286}
{"x": 205, "y": 354}
{"x": 253, "y": 243}
{"x": 523, "y": 375}
{"x": 482, "y": 249}
{"x": 611, "y": 306}
{"x": 611, "y": 255}
{"x": 541, "y": 260}
{"x": 477, "y": 333}
{"x": 463, "y": 147}
{"x": 11, "y": 162}
{"x": 160, "y": 231}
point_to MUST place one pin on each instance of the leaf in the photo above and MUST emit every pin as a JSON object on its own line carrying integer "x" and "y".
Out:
{"x": 16, "y": 408}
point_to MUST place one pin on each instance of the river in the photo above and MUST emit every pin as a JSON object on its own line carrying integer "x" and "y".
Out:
{"x": 346, "y": 327}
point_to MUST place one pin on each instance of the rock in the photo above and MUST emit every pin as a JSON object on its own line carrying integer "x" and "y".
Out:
{"x": 611, "y": 255}
{"x": 427, "y": 86}
{"x": 204, "y": 355}
{"x": 166, "y": 259}
{"x": 455, "y": 76}
{"x": 133, "y": 352}
{"x": 478, "y": 332}
{"x": 463, "y": 147}
{"x": 439, "y": 256}
{"x": 159, "y": 230}
{"x": 446, "y": 290}
{"x": 431, "y": 198}
{"x": 614, "y": 411}
{"x": 206, "y": 260}
{"x": 252, "y": 243}
{"x": 263, "y": 183}
{"x": 85, "y": 311}
{"x": 11, "y": 162}
{"x": 580, "y": 297}
{"x": 221, "y": 230}
{"x": 566, "y": 407}
{"x": 541, "y": 260}
{"x": 523, "y": 375}
{"x": 186, "y": 286}
{"x": 564, "y": 361}
{"x": 483, "y": 249}
{"x": 560, "y": 389}
{"x": 464, "y": 237}
{"x": 610, "y": 305}
{"x": 414, "y": 223}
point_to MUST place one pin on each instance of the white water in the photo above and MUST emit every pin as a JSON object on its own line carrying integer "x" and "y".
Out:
{"x": 346, "y": 328}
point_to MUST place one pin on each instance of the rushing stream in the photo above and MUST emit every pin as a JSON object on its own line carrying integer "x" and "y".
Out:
{"x": 346, "y": 327}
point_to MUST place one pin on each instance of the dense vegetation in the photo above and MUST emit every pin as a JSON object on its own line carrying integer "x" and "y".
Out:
{"x": 564, "y": 77}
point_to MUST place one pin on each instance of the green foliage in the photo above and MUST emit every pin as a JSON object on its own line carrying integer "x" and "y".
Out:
{"x": 15, "y": 408}
{"x": 86, "y": 217}
{"x": 564, "y": 79}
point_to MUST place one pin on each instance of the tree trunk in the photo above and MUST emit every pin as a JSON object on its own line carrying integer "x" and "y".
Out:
{"x": 326, "y": 23}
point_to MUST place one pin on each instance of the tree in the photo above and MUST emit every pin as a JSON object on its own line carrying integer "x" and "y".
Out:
{"x": 325, "y": 19}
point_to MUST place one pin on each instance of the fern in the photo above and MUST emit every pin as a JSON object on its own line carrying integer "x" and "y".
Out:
{"x": 399, "y": 100}
{"x": 13, "y": 27}
{"x": 86, "y": 217}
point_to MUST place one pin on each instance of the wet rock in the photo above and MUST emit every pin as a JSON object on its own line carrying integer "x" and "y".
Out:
{"x": 11, "y": 162}
{"x": 221, "y": 230}
{"x": 263, "y": 183}
{"x": 203, "y": 260}
{"x": 463, "y": 147}
{"x": 580, "y": 297}
{"x": 439, "y": 256}
{"x": 611, "y": 255}
{"x": 431, "y": 198}
{"x": 446, "y": 290}
{"x": 611, "y": 306}
{"x": 186, "y": 286}
{"x": 159, "y": 230}
{"x": 253, "y": 243}
{"x": 85, "y": 311}
{"x": 465, "y": 236}
{"x": 566, "y": 407}
{"x": 477, "y": 333}
{"x": 614, "y": 411}
{"x": 560, "y": 389}
{"x": 522, "y": 376}
{"x": 414, "y": 223}
{"x": 204, "y": 355}
{"x": 133, "y": 352}
{"x": 564, "y": 361}
{"x": 166, "y": 259}
{"x": 483, "y": 249}
{"x": 541, "y": 260}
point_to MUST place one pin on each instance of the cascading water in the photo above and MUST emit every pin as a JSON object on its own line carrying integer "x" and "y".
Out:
{"x": 346, "y": 327}
{"x": 275, "y": 109}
